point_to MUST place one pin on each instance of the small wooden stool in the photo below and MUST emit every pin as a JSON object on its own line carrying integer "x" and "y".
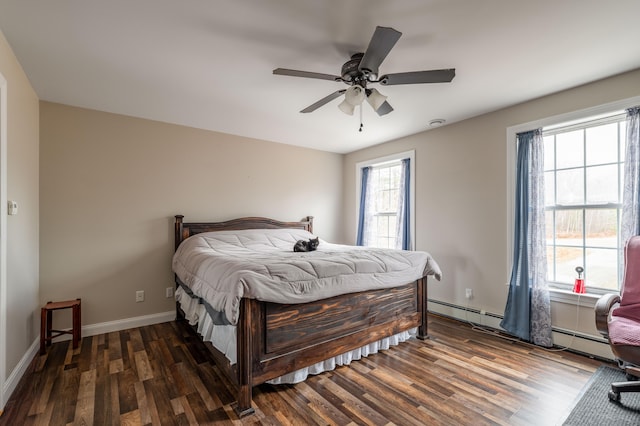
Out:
{"x": 46, "y": 330}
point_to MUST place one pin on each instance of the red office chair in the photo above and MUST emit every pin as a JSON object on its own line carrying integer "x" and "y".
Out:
{"x": 618, "y": 320}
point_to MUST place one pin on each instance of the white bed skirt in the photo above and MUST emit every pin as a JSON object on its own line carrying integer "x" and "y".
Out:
{"x": 223, "y": 338}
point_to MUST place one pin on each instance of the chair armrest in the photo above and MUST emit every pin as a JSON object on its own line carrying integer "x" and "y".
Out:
{"x": 603, "y": 308}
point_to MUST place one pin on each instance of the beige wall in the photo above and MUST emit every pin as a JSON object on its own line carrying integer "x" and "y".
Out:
{"x": 22, "y": 229}
{"x": 111, "y": 184}
{"x": 461, "y": 195}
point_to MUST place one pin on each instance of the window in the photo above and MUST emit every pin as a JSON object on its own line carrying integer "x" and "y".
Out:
{"x": 385, "y": 185}
{"x": 386, "y": 211}
{"x": 584, "y": 165}
{"x": 584, "y": 162}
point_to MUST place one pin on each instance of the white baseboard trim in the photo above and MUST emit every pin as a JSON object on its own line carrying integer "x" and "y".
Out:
{"x": 124, "y": 324}
{"x": 87, "y": 330}
{"x": 586, "y": 344}
{"x": 14, "y": 378}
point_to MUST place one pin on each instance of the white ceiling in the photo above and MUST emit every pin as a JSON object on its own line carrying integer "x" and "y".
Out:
{"x": 208, "y": 63}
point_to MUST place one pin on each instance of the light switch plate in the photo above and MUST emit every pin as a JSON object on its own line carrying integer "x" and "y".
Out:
{"x": 12, "y": 207}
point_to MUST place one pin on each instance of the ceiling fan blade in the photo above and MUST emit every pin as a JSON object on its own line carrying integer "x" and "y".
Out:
{"x": 384, "y": 109}
{"x": 383, "y": 40}
{"x": 323, "y": 101}
{"x": 306, "y": 74}
{"x": 418, "y": 77}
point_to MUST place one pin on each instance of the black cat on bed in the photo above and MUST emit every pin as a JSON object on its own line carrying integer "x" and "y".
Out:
{"x": 302, "y": 245}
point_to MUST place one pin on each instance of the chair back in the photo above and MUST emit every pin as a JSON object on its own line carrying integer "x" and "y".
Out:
{"x": 630, "y": 291}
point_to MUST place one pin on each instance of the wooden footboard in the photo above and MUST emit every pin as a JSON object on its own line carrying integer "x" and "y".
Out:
{"x": 285, "y": 338}
{"x": 275, "y": 339}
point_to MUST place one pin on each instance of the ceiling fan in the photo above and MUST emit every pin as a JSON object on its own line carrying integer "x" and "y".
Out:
{"x": 362, "y": 69}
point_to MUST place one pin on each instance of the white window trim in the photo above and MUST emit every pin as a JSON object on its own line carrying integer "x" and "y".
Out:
{"x": 411, "y": 155}
{"x": 555, "y": 120}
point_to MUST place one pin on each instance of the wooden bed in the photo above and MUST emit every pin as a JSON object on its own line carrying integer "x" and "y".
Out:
{"x": 275, "y": 339}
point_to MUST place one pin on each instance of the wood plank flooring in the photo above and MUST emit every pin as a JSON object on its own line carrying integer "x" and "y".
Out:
{"x": 163, "y": 375}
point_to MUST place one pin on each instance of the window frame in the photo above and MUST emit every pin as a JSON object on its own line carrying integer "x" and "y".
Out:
{"x": 585, "y": 207}
{"x": 374, "y": 173}
{"x": 549, "y": 123}
{"x": 381, "y": 161}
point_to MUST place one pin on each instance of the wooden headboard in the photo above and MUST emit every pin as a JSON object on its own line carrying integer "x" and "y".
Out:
{"x": 184, "y": 230}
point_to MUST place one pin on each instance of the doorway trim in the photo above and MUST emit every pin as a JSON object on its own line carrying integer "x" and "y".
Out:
{"x": 3, "y": 240}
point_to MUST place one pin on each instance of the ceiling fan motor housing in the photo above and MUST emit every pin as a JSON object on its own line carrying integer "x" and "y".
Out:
{"x": 352, "y": 74}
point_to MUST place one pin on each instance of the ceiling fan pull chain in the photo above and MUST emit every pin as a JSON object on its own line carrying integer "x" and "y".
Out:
{"x": 360, "y": 129}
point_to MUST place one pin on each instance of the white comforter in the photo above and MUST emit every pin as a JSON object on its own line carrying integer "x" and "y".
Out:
{"x": 223, "y": 267}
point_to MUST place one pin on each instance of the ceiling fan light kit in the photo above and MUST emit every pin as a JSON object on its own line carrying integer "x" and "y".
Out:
{"x": 354, "y": 95}
{"x": 375, "y": 99}
{"x": 362, "y": 69}
{"x": 346, "y": 107}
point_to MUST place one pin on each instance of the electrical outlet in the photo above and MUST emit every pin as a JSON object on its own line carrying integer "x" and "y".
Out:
{"x": 483, "y": 312}
{"x": 140, "y": 296}
{"x": 168, "y": 293}
{"x": 468, "y": 293}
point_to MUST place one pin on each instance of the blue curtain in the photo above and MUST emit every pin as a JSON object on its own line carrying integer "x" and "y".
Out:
{"x": 404, "y": 223}
{"x": 364, "y": 185}
{"x": 630, "y": 221}
{"x": 528, "y": 310}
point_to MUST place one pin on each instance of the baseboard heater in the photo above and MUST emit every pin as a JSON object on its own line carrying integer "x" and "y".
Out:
{"x": 479, "y": 312}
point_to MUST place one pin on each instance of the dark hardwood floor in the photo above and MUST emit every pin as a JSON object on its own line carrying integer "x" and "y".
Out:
{"x": 163, "y": 374}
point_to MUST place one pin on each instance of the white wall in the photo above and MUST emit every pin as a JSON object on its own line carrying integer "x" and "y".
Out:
{"x": 22, "y": 230}
{"x": 461, "y": 197}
